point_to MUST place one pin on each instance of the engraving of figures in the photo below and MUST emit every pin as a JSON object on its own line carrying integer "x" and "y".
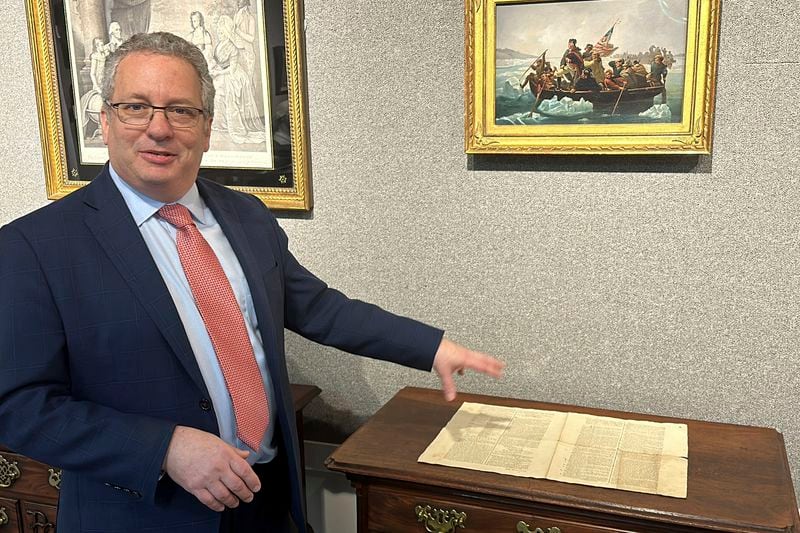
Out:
{"x": 115, "y": 36}
{"x": 97, "y": 61}
{"x": 199, "y": 36}
{"x": 91, "y": 102}
{"x": 235, "y": 104}
{"x": 245, "y": 33}
{"x": 132, "y": 16}
{"x": 233, "y": 38}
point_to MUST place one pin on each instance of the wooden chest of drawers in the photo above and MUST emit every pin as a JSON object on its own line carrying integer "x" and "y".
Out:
{"x": 738, "y": 481}
{"x": 28, "y": 494}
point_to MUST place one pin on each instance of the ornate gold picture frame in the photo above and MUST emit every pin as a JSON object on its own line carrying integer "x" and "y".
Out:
{"x": 525, "y": 60}
{"x": 264, "y": 152}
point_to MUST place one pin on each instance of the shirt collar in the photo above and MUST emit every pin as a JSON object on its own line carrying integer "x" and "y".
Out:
{"x": 142, "y": 207}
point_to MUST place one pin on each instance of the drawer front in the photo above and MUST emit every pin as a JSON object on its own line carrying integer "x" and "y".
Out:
{"x": 392, "y": 510}
{"x": 9, "y": 516}
{"x": 21, "y": 477}
{"x": 38, "y": 518}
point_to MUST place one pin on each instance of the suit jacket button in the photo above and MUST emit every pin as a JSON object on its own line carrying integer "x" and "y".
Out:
{"x": 205, "y": 404}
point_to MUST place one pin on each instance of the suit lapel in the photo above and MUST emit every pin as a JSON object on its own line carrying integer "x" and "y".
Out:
{"x": 116, "y": 232}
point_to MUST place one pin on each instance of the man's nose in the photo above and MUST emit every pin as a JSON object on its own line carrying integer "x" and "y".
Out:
{"x": 159, "y": 125}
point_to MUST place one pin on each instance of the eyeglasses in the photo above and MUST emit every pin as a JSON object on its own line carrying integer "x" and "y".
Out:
{"x": 137, "y": 114}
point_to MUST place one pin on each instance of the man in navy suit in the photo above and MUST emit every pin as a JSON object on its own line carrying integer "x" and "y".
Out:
{"x": 106, "y": 368}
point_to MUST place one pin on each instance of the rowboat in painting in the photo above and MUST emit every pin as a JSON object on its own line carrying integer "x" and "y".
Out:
{"x": 629, "y": 102}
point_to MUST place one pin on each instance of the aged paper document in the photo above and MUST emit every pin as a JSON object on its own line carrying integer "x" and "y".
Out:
{"x": 571, "y": 447}
{"x": 518, "y": 442}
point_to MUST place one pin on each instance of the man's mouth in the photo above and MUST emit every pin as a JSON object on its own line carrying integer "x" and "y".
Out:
{"x": 157, "y": 156}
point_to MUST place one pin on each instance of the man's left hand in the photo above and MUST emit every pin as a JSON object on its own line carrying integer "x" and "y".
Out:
{"x": 452, "y": 357}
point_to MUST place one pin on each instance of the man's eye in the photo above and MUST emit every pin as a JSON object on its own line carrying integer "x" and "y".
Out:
{"x": 134, "y": 107}
{"x": 183, "y": 111}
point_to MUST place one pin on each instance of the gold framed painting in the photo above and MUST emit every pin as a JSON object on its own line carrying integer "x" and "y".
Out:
{"x": 590, "y": 76}
{"x": 255, "y": 51}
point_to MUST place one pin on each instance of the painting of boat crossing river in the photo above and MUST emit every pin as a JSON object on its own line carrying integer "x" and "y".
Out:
{"x": 590, "y": 62}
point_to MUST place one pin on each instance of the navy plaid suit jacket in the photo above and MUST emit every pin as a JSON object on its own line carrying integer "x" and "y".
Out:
{"x": 96, "y": 369}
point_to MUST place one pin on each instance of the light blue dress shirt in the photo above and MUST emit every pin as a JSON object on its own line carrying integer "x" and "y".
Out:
{"x": 160, "y": 237}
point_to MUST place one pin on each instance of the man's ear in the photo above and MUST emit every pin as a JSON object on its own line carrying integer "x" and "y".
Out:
{"x": 104, "y": 123}
{"x": 208, "y": 134}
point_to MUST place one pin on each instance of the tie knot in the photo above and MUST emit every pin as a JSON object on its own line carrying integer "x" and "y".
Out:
{"x": 176, "y": 214}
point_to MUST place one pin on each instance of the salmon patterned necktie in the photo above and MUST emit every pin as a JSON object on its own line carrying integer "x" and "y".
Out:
{"x": 225, "y": 324}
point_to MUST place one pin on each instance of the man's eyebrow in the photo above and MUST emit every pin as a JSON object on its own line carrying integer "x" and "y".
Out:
{"x": 137, "y": 97}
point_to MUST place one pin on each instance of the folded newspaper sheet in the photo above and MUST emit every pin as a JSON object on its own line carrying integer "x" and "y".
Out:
{"x": 577, "y": 448}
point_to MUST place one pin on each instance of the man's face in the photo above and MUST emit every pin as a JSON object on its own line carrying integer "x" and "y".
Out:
{"x": 158, "y": 160}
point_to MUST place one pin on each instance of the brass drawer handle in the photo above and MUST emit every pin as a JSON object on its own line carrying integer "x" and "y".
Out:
{"x": 439, "y": 520}
{"x": 9, "y": 472}
{"x": 55, "y": 478}
{"x": 522, "y": 527}
{"x": 41, "y": 522}
{"x": 3, "y": 516}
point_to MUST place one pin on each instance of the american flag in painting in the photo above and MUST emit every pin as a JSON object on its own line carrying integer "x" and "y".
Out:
{"x": 604, "y": 46}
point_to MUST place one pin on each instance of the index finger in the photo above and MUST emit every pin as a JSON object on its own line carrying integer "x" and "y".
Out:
{"x": 448, "y": 387}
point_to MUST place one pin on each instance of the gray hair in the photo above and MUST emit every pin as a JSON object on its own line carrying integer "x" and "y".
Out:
{"x": 167, "y": 44}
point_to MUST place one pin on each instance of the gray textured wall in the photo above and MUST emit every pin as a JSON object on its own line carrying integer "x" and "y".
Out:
{"x": 657, "y": 285}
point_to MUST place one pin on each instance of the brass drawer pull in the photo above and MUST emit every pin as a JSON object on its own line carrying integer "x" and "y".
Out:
{"x": 522, "y": 527}
{"x": 3, "y": 516}
{"x": 55, "y": 478}
{"x": 41, "y": 522}
{"x": 9, "y": 472}
{"x": 439, "y": 520}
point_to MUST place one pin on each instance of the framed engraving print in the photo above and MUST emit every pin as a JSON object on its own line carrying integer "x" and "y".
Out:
{"x": 590, "y": 76}
{"x": 254, "y": 48}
